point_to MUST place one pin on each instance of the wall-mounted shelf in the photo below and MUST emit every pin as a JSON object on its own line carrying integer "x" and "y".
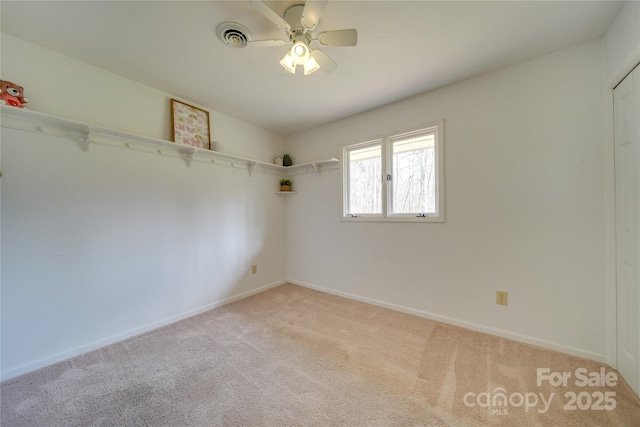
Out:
{"x": 87, "y": 135}
{"x": 286, "y": 192}
{"x": 316, "y": 166}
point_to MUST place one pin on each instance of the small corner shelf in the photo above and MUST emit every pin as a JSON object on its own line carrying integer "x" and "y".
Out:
{"x": 87, "y": 135}
{"x": 285, "y": 192}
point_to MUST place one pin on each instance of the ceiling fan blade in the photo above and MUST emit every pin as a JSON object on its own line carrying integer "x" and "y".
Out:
{"x": 338, "y": 38}
{"x": 267, "y": 43}
{"x": 326, "y": 63}
{"x": 311, "y": 13}
{"x": 270, "y": 14}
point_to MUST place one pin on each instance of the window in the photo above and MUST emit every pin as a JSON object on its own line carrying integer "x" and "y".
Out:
{"x": 395, "y": 178}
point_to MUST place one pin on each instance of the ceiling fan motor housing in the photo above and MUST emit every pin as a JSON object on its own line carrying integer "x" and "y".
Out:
{"x": 293, "y": 16}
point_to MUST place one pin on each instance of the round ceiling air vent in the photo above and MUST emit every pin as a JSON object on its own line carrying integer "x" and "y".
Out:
{"x": 233, "y": 34}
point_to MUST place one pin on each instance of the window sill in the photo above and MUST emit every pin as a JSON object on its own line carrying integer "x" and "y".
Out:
{"x": 392, "y": 219}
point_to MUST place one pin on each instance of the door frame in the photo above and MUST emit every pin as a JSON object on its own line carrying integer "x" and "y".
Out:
{"x": 611, "y": 313}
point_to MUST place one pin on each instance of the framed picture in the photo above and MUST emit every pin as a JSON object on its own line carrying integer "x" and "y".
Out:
{"x": 190, "y": 125}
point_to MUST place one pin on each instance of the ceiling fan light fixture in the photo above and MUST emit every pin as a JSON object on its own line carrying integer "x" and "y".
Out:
{"x": 300, "y": 52}
{"x": 299, "y": 22}
{"x": 288, "y": 64}
{"x": 311, "y": 66}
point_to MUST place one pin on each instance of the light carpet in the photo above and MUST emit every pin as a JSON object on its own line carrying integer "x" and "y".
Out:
{"x": 292, "y": 356}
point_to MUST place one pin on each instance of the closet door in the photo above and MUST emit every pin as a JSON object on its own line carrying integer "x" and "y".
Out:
{"x": 627, "y": 166}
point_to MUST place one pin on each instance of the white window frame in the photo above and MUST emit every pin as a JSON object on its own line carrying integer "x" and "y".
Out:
{"x": 386, "y": 143}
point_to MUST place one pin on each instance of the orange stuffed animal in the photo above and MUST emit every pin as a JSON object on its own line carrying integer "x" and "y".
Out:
{"x": 12, "y": 94}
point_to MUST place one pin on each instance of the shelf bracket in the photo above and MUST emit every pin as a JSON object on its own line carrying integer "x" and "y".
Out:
{"x": 188, "y": 157}
{"x": 316, "y": 166}
{"x": 251, "y": 166}
{"x": 88, "y": 140}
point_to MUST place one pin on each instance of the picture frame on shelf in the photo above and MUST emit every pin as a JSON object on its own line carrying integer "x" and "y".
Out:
{"x": 190, "y": 125}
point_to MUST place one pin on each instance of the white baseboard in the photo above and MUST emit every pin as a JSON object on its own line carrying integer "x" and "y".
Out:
{"x": 49, "y": 360}
{"x": 468, "y": 325}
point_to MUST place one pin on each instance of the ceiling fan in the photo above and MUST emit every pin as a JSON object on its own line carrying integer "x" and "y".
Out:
{"x": 299, "y": 23}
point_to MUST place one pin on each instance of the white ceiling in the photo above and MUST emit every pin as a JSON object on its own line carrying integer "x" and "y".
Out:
{"x": 404, "y": 48}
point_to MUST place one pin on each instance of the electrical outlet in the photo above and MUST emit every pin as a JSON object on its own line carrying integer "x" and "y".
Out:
{"x": 254, "y": 269}
{"x": 502, "y": 297}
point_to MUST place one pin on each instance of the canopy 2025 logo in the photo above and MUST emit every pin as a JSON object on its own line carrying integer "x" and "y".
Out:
{"x": 498, "y": 401}
{"x": 584, "y": 400}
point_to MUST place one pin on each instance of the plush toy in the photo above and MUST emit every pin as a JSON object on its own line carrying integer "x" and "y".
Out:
{"x": 12, "y": 94}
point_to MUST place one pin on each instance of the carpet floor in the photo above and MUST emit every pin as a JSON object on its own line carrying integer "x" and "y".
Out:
{"x": 292, "y": 356}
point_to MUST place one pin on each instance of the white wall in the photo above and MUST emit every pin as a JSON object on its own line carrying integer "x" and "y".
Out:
{"x": 524, "y": 202}
{"x": 100, "y": 246}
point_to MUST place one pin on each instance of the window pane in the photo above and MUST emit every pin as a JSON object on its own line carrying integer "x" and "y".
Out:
{"x": 365, "y": 180}
{"x": 414, "y": 175}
